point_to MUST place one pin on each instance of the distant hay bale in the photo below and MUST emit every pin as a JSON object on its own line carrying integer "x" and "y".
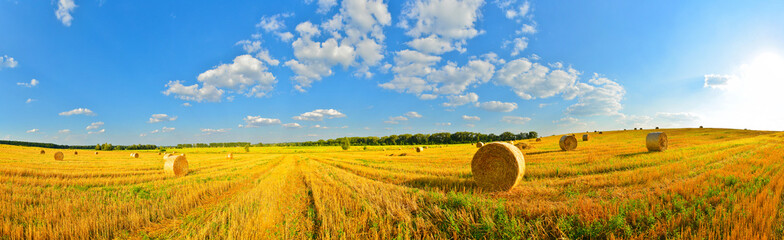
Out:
{"x": 635, "y": 128}
{"x": 176, "y": 165}
{"x": 498, "y": 166}
{"x": 419, "y": 149}
{"x": 657, "y": 127}
{"x": 601, "y": 132}
{"x": 159, "y": 153}
{"x": 403, "y": 154}
{"x": 656, "y": 141}
{"x": 43, "y": 152}
{"x": 76, "y": 153}
{"x": 59, "y": 156}
{"x": 96, "y": 153}
{"x": 522, "y": 146}
{"x": 700, "y": 126}
{"x": 538, "y": 139}
{"x": 134, "y": 155}
{"x": 480, "y": 144}
{"x": 230, "y": 156}
{"x": 585, "y": 137}
{"x": 568, "y": 142}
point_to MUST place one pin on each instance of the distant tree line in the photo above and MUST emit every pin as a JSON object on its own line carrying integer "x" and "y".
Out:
{"x": 105, "y": 146}
{"x": 43, "y": 145}
{"x": 109, "y": 147}
{"x": 415, "y": 139}
{"x": 403, "y": 139}
{"x": 205, "y": 145}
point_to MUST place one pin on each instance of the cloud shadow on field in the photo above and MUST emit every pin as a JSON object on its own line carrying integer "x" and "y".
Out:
{"x": 443, "y": 184}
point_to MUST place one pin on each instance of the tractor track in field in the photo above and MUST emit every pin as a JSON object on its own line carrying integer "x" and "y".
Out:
{"x": 157, "y": 229}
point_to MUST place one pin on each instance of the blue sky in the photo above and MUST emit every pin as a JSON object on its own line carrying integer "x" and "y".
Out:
{"x": 125, "y": 72}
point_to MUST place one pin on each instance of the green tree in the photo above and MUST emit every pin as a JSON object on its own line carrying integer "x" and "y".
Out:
{"x": 533, "y": 134}
{"x": 247, "y": 148}
{"x": 345, "y": 144}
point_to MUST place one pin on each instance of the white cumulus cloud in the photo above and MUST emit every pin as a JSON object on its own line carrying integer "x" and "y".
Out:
{"x": 7, "y": 62}
{"x": 97, "y": 132}
{"x": 63, "y": 12}
{"x": 459, "y": 100}
{"x": 515, "y": 119}
{"x": 34, "y": 130}
{"x": 292, "y": 125}
{"x": 78, "y": 111}
{"x": 32, "y": 83}
{"x": 532, "y": 80}
{"x": 496, "y": 106}
{"x": 208, "y": 131}
{"x": 246, "y": 75}
{"x": 64, "y": 131}
{"x": 601, "y": 97}
{"x": 257, "y": 121}
{"x": 471, "y": 118}
{"x": 413, "y": 115}
{"x": 451, "y": 20}
{"x": 718, "y": 80}
{"x": 193, "y": 92}
{"x": 161, "y": 117}
{"x": 319, "y": 115}
{"x": 95, "y": 125}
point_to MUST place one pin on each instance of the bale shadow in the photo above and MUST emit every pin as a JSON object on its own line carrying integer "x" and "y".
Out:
{"x": 542, "y": 152}
{"x": 443, "y": 184}
{"x": 628, "y": 155}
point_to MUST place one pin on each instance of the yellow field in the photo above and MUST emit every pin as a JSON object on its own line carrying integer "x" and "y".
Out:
{"x": 711, "y": 183}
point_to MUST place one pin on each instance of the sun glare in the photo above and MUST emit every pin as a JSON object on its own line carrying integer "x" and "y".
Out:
{"x": 764, "y": 74}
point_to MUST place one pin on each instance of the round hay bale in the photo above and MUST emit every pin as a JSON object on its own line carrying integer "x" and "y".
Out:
{"x": 230, "y": 156}
{"x": 635, "y": 128}
{"x": 568, "y": 142}
{"x": 498, "y": 166}
{"x": 700, "y": 126}
{"x": 176, "y": 165}
{"x": 96, "y": 153}
{"x": 43, "y": 152}
{"x": 134, "y": 155}
{"x": 657, "y": 127}
{"x": 420, "y": 149}
{"x": 76, "y": 153}
{"x": 480, "y": 144}
{"x": 656, "y": 141}
{"x": 522, "y": 146}
{"x": 159, "y": 153}
{"x": 167, "y": 155}
{"x": 59, "y": 156}
{"x": 585, "y": 137}
{"x": 601, "y": 132}
{"x": 538, "y": 139}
